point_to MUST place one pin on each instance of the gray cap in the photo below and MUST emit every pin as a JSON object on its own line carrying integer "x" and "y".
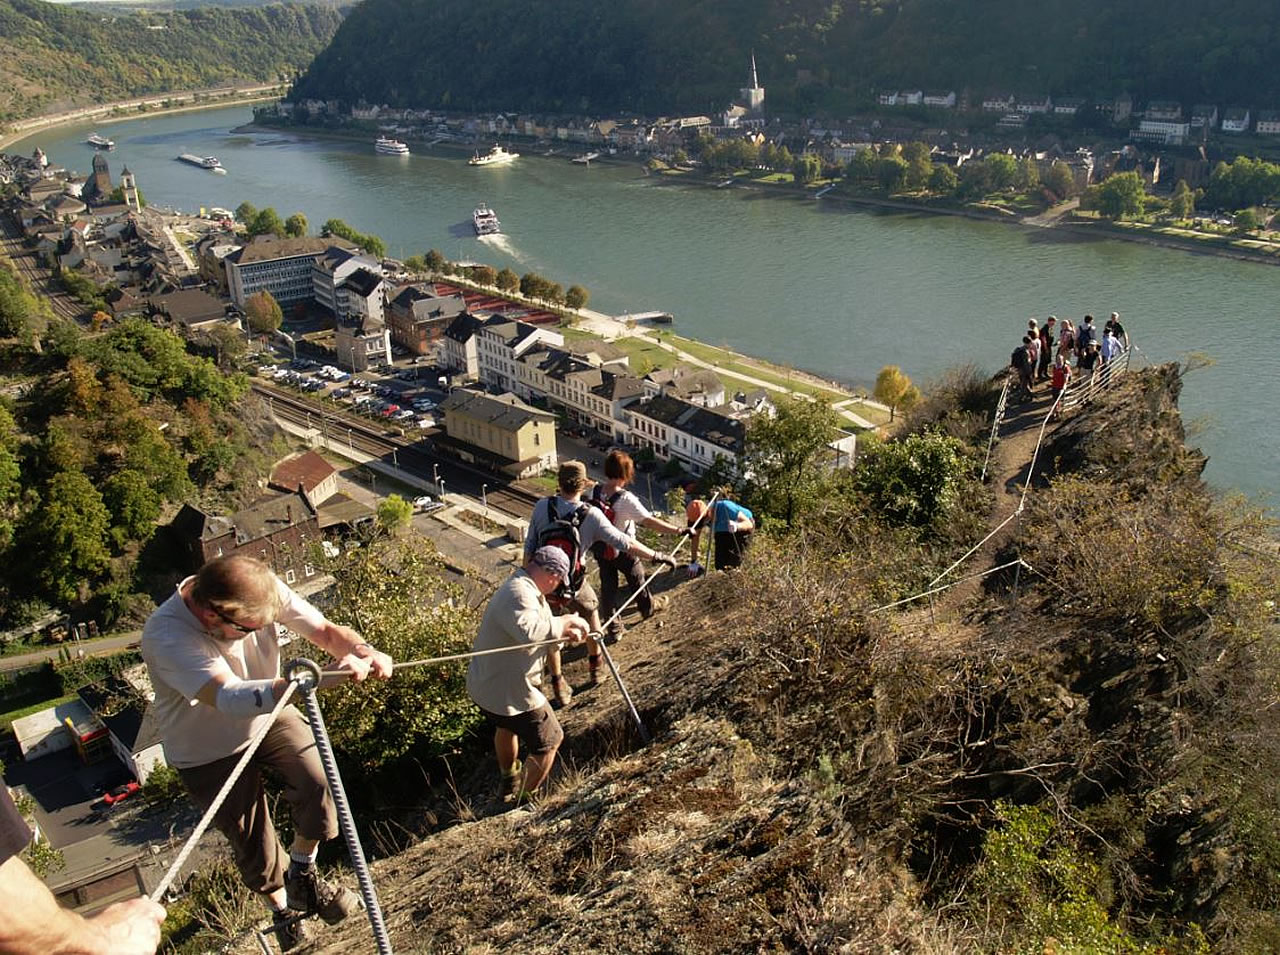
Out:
{"x": 552, "y": 559}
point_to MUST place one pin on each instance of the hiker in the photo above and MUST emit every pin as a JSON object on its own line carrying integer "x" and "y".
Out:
{"x": 1061, "y": 374}
{"x": 1020, "y": 361}
{"x": 1089, "y": 360}
{"x": 571, "y": 524}
{"x": 1046, "y": 347}
{"x": 1067, "y": 340}
{"x": 731, "y": 527}
{"x": 35, "y": 924}
{"x": 624, "y": 511}
{"x": 213, "y": 653}
{"x": 1033, "y": 345}
{"x": 506, "y": 685}
{"x": 1113, "y": 325}
{"x": 1086, "y": 335}
{"x": 1110, "y": 346}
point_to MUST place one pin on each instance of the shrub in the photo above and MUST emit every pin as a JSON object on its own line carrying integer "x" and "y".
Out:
{"x": 915, "y": 481}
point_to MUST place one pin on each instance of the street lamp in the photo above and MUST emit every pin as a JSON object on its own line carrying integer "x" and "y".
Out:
{"x": 395, "y": 461}
{"x": 484, "y": 499}
{"x": 351, "y": 447}
{"x": 352, "y": 349}
{"x": 435, "y": 472}
{"x": 440, "y": 483}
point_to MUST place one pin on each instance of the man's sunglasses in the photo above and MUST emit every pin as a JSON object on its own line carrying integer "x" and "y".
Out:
{"x": 239, "y": 627}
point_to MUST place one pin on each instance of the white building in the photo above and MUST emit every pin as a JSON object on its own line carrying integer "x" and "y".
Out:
{"x": 282, "y": 267}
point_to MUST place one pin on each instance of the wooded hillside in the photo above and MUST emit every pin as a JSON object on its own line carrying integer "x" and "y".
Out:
{"x": 657, "y": 57}
{"x": 54, "y": 57}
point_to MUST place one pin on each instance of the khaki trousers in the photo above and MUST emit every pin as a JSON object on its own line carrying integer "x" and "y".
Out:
{"x": 288, "y": 752}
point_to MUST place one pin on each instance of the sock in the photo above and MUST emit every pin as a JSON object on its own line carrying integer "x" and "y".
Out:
{"x": 303, "y": 859}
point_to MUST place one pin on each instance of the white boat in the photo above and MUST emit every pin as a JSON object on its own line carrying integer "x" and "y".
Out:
{"x": 585, "y": 158}
{"x": 390, "y": 147}
{"x": 100, "y": 142}
{"x": 204, "y": 162}
{"x": 493, "y": 157}
{"x": 485, "y": 220}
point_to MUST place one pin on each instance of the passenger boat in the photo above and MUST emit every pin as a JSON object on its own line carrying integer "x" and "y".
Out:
{"x": 493, "y": 157}
{"x": 485, "y": 220}
{"x": 390, "y": 147}
{"x": 585, "y": 158}
{"x": 204, "y": 162}
{"x": 100, "y": 142}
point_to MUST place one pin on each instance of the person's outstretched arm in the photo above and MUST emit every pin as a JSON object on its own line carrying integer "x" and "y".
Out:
{"x": 34, "y": 923}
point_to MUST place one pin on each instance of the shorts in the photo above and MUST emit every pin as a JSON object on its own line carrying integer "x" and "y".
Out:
{"x": 538, "y": 729}
{"x": 584, "y": 600}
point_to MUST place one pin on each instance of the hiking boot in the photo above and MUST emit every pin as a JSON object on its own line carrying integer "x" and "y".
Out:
{"x": 309, "y": 893}
{"x": 658, "y": 605}
{"x": 510, "y": 783}
{"x": 561, "y": 691}
{"x": 593, "y": 670}
{"x": 290, "y": 930}
{"x": 615, "y": 631}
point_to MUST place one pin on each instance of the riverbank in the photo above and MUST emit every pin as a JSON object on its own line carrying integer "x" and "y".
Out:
{"x": 159, "y": 105}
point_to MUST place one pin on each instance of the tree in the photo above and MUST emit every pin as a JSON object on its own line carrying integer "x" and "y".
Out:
{"x": 919, "y": 172}
{"x": 807, "y": 168}
{"x": 508, "y": 281}
{"x": 862, "y": 167}
{"x": 484, "y": 275}
{"x": 1183, "y": 202}
{"x": 415, "y": 263}
{"x": 1246, "y": 222}
{"x": 134, "y": 507}
{"x": 785, "y": 455}
{"x": 576, "y": 297}
{"x": 1121, "y": 195}
{"x": 67, "y": 536}
{"x": 1002, "y": 170}
{"x": 1060, "y": 181}
{"x": 246, "y": 212}
{"x": 434, "y": 261}
{"x": 396, "y": 592}
{"x": 266, "y": 222}
{"x": 295, "y": 227}
{"x": 394, "y": 513}
{"x": 895, "y": 389}
{"x": 263, "y": 313}
{"x": 1028, "y": 176}
{"x": 891, "y": 172}
{"x": 914, "y": 481}
{"x": 943, "y": 180}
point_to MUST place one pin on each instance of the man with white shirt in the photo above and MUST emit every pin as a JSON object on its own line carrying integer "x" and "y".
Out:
{"x": 213, "y": 653}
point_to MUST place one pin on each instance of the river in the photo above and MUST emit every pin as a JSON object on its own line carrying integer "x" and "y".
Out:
{"x": 820, "y": 285}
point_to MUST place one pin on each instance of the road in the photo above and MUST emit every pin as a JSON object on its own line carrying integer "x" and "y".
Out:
{"x": 91, "y": 648}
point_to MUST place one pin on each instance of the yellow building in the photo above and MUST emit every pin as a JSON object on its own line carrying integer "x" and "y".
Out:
{"x": 501, "y": 432}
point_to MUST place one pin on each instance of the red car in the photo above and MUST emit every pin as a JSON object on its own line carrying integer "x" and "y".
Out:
{"x": 121, "y": 792}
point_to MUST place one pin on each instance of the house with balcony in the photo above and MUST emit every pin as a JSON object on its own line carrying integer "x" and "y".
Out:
{"x": 501, "y": 342}
{"x": 1164, "y": 110}
{"x": 1033, "y": 103}
{"x": 1268, "y": 123}
{"x": 1237, "y": 119}
{"x": 940, "y": 99}
{"x": 1204, "y": 116}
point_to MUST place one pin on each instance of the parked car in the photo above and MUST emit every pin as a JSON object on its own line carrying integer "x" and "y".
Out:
{"x": 388, "y": 410}
{"x": 121, "y": 792}
{"x": 404, "y": 414}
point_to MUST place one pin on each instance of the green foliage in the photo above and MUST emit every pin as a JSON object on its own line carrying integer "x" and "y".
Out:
{"x": 807, "y": 168}
{"x": 895, "y": 389}
{"x": 576, "y": 296}
{"x": 394, "y": 591}
{"x": 43, "y": 858}
{"x": 82, "y": 289}
{"x": 295, "y": 227}
{"x": 68, "y": 536}
{"x": 394, "y": 513}
{"x": 435, "y": 261}
{"x": 134, "y": 505}
{"x": 1045, "y": 888}
{"x": 943, "y": 180}
{"x": 914, "y": 481}
{"x": 54, "y": 55}
{"x": 1120, "y": 196}
{"x": 20, "y": 311}
{"x": 1183, "y": 202}
{"x": 1002, "y": 171}
{"x": 163, "y": 786}
{"x": 266, "y": 222}
{"x": 786, "y": 457}
{"x": 370, "y": 243}
{"x": 1060, "y": 181}
{"x": 1244, "y": 182}
{"x": 483, "y": 274}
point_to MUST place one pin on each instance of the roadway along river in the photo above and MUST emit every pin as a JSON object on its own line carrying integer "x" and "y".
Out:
{"x": 816, "y": 284}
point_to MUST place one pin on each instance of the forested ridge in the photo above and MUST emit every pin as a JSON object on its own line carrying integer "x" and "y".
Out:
{"x": 657, "y": 57}
{"x": 55, "y": 57}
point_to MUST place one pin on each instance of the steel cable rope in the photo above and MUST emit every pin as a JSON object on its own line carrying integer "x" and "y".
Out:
{"x": 158, "y": 892}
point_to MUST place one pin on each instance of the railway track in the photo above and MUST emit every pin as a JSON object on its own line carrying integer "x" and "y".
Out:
{"x": 38, "y": 278}
{"x": 408, "y": 454}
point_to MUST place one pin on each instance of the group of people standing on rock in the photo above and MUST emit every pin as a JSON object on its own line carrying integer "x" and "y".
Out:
{"x": 213, "y": 654}
{"x": 549, "y": 600}
{"x": 1036, "y": 360}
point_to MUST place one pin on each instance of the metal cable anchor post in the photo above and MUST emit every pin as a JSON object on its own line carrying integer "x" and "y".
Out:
{"x": 307, "y": 676}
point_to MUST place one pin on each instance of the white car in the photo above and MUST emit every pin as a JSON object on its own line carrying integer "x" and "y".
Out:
{"x": 426, "y": 504}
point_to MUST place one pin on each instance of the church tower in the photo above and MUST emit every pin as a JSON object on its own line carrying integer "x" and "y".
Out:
{"x": 97, "y": 191}
{"x": 752, "y": 96}
{"x": 130, "y": 188}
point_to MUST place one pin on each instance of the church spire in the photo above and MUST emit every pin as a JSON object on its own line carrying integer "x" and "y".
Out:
{"x": 755, "y": 83}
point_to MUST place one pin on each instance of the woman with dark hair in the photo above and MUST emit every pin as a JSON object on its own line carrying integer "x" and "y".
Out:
{"x": 625, "y": 510}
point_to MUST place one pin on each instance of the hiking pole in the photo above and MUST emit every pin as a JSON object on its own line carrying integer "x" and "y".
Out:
{"x": 306, "y": 675}
{"x": 635, "y": 715}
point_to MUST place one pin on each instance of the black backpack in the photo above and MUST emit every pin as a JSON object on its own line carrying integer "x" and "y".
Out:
{"x": 1020, "y": 357}
{"x": 601, "y": 550}
{"x": 563, "y": 532}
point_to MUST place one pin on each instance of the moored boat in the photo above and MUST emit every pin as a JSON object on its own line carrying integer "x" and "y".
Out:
{"x": 390, "y": 147}
{"x": 494, "y": 156}
{"x": 100, "y": 142}
{"x": 585, "y": 158}
{"x": 485, "y": 221}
